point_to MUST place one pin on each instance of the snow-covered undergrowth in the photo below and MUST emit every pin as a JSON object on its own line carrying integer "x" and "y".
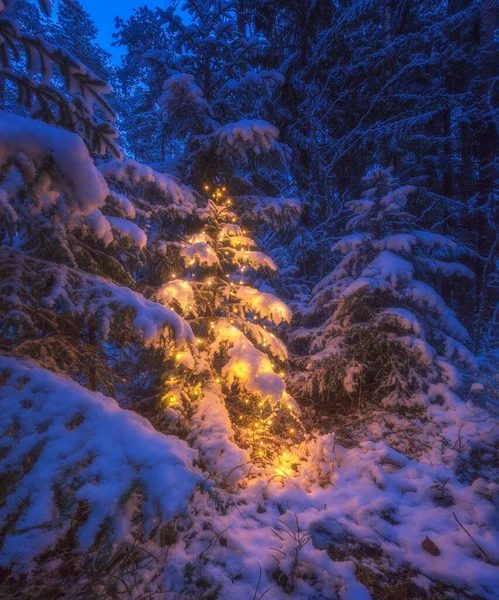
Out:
{"x": 402, "y": 498}
{"x": 423, "y": 516}
{"x": 73, "y": 459}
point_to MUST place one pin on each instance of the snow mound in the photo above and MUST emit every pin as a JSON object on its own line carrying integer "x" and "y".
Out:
{"x": 213, "y": 437}
{"x": 65, "y": 448}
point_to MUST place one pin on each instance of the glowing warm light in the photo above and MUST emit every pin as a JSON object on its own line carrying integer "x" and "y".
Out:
{"x": 291, "y": 430}
{"x": 241, "y": 370}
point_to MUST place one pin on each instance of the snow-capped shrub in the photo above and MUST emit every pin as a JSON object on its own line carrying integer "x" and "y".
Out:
{"x": 74, "y": 464}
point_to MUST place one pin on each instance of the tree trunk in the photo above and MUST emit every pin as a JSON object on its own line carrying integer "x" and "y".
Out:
{"x": 487, "y": 140}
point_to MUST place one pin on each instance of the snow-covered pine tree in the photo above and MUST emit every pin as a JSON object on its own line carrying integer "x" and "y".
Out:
{"x": 54, "y": 86}
{"x": 215, "y": 102}
{"x": 75, "y": 31}
{"x": 387, "y": 334}
{"x": 70, "y": 244}
{"x": 70, "y": 256}
{"x": 232, "y": 388}
{"x": 139, "y": 121}
{"x": 74, "y": 235}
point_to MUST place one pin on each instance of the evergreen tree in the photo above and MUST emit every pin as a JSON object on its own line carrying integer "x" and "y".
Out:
{"x": 74, "y": 235}
{"x": 70, "y": 310}
{"x": 233, "y": 387}
{"x": 388, "y": 335}
{"x": 214, "y": 99}
{"x": 137, "y": 98}
{"x": 75, "y": 31}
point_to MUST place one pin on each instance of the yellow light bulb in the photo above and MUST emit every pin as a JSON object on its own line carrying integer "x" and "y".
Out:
{"x": 291, "y": 430}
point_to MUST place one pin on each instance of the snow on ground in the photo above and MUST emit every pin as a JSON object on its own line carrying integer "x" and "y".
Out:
{"x": 403, "y": 496}
{"x": 424, "y": 513}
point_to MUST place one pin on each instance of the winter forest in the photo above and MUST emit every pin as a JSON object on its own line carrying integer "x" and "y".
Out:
{"x": 249, "y": 301}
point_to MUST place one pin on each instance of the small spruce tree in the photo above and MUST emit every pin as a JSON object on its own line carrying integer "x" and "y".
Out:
{"x": 387, "y": 333}
{"x": 233, "y": 386}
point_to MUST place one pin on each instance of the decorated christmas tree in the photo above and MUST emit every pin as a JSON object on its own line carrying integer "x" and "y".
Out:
{"x": 233, "y": 385}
